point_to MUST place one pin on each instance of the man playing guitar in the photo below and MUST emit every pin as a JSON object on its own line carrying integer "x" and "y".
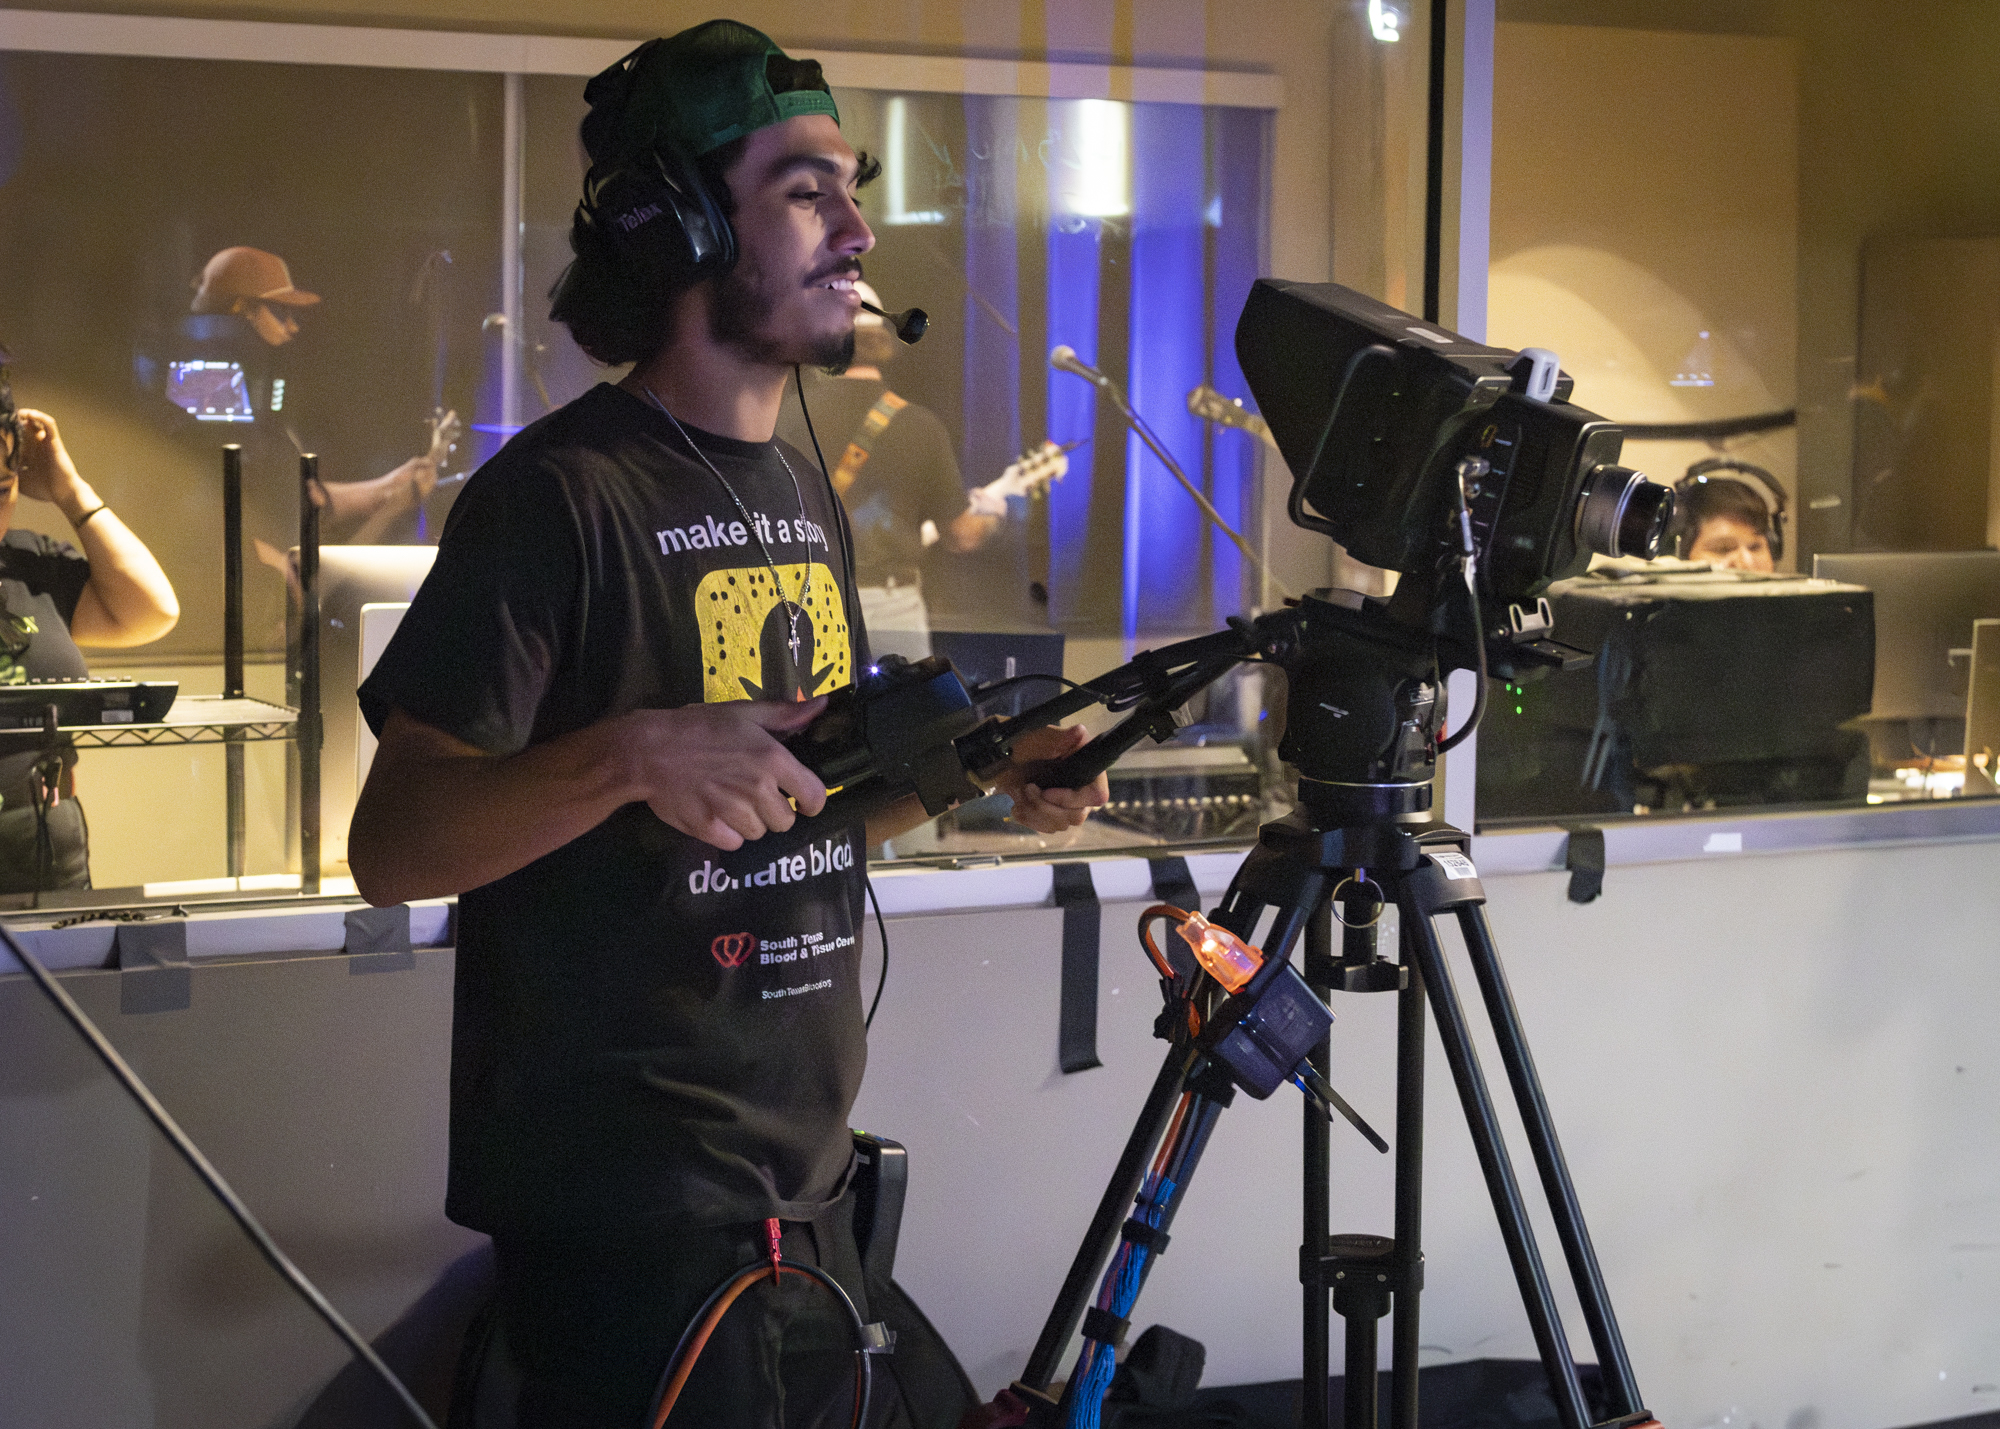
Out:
{"x": 893, "y": 464}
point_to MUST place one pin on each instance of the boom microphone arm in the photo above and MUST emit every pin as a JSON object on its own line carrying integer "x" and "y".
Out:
{"x": 1063, "y": 358}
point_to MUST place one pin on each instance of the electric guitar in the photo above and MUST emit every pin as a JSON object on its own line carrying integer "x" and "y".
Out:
{"x": 1211, "y": 406}
{"x": 1027, "y": 475}
{"x": 1030, "y": 473}
{"x": 446, "y": 429}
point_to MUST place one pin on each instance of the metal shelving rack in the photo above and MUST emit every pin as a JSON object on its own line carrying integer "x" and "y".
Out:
{"x": 194, "y": 719}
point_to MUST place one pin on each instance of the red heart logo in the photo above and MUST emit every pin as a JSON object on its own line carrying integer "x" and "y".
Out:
{"x": 732, "y": 948}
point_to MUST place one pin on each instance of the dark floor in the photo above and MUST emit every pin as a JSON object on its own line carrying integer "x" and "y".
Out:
{"x": 1478, "y": 1394}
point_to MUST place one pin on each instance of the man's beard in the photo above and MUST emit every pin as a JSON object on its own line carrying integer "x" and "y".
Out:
{"x": 743, "y": 307}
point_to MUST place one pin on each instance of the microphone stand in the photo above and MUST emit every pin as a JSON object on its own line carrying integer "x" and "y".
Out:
{"x": 1145, "y": 433}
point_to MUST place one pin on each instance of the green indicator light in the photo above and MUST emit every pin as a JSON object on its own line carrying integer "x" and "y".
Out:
{"x": 1517, "y": 709}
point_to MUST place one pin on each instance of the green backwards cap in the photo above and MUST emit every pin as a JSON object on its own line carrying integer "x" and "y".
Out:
{"x": 699, "y": 90}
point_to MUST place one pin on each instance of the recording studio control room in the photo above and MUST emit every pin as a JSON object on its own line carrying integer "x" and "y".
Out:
{"x": 1121, "y": 714}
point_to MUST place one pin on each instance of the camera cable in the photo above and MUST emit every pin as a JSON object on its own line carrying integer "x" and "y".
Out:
{"x": 694, "y": 1339}
{"x": 882, "y": 979}
{"x": 1469, "y": 472}
{"x": 213, "y": 1179}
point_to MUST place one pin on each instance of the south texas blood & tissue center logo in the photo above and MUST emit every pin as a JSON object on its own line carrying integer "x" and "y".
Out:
{"x": 733, "y": 949}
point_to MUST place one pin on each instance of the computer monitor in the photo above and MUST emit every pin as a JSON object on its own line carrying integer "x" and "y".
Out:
{"x": 362, "y": 592}
{"x": 1925, "y": 603}
{"x": 210, "y": 391}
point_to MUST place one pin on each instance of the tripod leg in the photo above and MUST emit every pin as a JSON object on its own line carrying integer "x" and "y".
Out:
{"x": 1102, "y": 1237}
{"x": 1360, "y": 1401}
{"x": 1537, "y": 1299}
{"x": 1405, "y": 1328}
{"x": 1315, "y": 1411}
{"x": 1540, "y": 1126}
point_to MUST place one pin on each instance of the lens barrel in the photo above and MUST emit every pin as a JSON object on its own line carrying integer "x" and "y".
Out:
{"x": 1620, "y": 513}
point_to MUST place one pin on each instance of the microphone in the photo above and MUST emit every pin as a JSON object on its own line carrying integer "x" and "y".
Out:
{"x": 1063, "y": 358}
{"x": 910, "y": 324}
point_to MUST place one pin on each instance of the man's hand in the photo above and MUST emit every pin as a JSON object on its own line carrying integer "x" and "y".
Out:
{"x": 1049, "y": 811}
{"x": 439, "y": 816}
{"x": 718, "y": 773}
{"x": 379, "y": 501}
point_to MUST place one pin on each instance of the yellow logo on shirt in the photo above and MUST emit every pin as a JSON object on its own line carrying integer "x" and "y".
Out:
{"x": 757, "y": 645}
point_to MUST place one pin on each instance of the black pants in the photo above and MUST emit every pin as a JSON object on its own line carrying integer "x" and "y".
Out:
{"x": 39, "y": 857}
{"x": 594, "y": 1324}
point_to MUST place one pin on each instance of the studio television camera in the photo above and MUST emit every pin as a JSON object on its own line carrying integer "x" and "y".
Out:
{"x": 1463, "y": 468}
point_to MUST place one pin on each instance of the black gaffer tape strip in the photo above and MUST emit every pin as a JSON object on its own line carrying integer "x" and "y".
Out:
{"x": 1139, "y": 1233}
{"x": 1076, "y": 1037}
{"x": 1172, "y": 883}
{"x": 1103, "y": 1326}
{"x": 1583, "y": 856}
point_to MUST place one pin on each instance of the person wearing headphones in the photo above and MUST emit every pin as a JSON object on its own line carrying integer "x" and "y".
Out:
{"x": 658, "y": 1032}
{"x": 1729, "y": 514}
{"x": 54, "y": 598}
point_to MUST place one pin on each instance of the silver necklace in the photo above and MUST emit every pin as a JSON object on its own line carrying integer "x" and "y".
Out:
{"x": 793, "y": 609}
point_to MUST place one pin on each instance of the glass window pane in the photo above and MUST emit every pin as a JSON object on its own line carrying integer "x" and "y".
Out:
{"x": 1738, "y": 252}
{"x": 213, "y": 252}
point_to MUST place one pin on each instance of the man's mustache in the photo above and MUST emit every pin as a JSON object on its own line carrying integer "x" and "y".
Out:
{"x": 846, "y": 268}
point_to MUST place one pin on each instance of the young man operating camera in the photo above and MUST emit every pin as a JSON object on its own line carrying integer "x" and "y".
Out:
{"x": 658, "y": 1030}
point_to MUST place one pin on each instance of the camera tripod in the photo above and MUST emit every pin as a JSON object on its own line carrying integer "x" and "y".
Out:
{"x": 1298, "y": 870}
{"x": 1365, "y": 711}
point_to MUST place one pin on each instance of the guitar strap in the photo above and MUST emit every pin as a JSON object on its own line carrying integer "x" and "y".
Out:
{"x": 872, "y": 426}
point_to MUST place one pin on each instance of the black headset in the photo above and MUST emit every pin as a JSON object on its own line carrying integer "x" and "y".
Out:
{"x": 1767, "y": 488}
{"x": 647, "y": 199}
{"x": 656, "y": 212}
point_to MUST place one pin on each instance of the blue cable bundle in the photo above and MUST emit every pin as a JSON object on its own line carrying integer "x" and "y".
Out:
{"x": 1158, "y": 1200}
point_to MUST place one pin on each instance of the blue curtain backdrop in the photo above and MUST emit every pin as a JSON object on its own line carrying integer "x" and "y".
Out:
{"x": 1165, "y": 532}
{"x": 1177, "y": 268}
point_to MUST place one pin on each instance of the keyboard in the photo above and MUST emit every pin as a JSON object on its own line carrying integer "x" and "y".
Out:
{"x": 86, "y": 702}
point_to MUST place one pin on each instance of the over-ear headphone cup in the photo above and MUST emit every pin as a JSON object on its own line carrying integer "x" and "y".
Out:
{"x": 660, "y": 219}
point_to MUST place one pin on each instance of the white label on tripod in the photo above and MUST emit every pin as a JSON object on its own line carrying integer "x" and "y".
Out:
{"x": 1453, "y": 865}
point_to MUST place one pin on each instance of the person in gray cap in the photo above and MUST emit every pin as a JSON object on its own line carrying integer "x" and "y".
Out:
{"x": 659, "y": 1031}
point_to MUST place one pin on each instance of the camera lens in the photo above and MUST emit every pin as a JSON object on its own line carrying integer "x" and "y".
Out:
{"x": 1620, "y": 513}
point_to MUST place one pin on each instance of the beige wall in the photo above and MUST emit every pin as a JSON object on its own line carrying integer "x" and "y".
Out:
{"x": 1622, "y": 231}
{"x": 1896, "y": 131}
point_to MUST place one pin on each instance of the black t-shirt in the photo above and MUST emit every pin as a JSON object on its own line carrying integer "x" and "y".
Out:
{"x": 910, "y": 475}
{"x": 41, "y": 580}
{"x": 645, "y": 1026}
